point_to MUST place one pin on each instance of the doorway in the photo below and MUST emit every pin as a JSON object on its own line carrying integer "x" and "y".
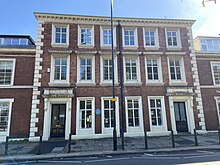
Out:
{"x": 180, "y": 117}
{"x": 58, "y": 118}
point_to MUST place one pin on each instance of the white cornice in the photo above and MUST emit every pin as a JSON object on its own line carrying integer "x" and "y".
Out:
{"x": 65, "y": 18}
{"x": 152, "y": 53}
{"x": 175, "y": 53}
{"x": 15, "y": 50}
{"x": 60, "y": 51}
{"x": 86, "y": 52}
{"x": 202, "y": 53}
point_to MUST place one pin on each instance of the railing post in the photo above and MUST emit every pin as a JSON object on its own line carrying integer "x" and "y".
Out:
{"x": 146, "y": 140}
{"x": 39, "y": 146}
{"x": 122, "y": 140}
{"x": 219, "y": 134}
{"x": 195, "y": 137}
{"x": 172, "y": 138}
{"x": 6, "y": 145}
{"x": 69, "y": 143}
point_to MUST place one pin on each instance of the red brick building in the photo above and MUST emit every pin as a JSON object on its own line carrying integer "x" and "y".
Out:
{"x": 17, "y": 54}
{"x": 208, "y": 61}
{"x": 72, "y": 87}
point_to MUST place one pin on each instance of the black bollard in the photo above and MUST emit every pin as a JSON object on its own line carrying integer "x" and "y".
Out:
{"x": 122, "y": 141}
{"x": 195, "y": 137}
{"x": 219, "y": 134}
{"x": 40, "y": 145}
{"x": 69, "y": 143}
{"x": 6, "y": 145}
{"x": 172, "y": 138}
{"x": 146, "y": 140}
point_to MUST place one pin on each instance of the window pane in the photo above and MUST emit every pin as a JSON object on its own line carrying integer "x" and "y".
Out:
{"x": 4, "y": 112}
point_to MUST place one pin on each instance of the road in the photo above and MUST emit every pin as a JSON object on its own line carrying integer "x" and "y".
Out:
{"x": 192, "y": 158}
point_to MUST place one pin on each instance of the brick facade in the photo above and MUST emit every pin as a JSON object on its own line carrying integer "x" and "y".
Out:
{"x": 19, "y": 93}
{"x": 169, "y": 92}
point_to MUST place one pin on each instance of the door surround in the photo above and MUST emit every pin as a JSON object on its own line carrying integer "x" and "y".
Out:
{"x": 47, "y": 115}
{"x": 189, "y": 112}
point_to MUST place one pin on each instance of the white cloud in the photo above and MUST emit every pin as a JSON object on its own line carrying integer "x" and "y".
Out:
{"x": 207, "y": 18}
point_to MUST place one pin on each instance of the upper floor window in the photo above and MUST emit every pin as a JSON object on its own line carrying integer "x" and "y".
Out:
{"x": 85, "y": 69}
{"x": 130, "y": 37}
{"x": 131, "y": 69}
{"x": 210, "y": 45}
{"x": 173, "y": 38}
{"x": 6, "y": 72}
{"x": 13, "y": 41}
{"x": 60, "y": 69}
{"x": 175, "y": 69}
{"x": 107, "y": 69}
{"x": 107, "y": 37}
{"x": 60, "y": 35}
{"x": 216, "y": 73}
{"x": 150, "y": 38}
{"x": 152, "y": 69}
{"x": 85, "y": 36}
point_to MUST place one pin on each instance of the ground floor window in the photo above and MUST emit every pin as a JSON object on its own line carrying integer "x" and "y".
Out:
{"x": 156, "y": 112}
{"x": 133, "y": 112}
{"x": 4, "y": 116}
{"x": 85, "y": 114}
{"x": 108, "y": 114}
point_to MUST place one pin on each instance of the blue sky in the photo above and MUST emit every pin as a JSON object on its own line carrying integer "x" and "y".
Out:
{"x": 17, "y": 15}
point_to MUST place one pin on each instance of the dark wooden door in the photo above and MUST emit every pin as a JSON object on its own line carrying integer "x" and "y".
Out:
{"x": 58, "y": 118}
{"x": 180, "y": 117}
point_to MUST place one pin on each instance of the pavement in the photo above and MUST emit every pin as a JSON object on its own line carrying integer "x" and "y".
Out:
{"x": 58, "y": 148}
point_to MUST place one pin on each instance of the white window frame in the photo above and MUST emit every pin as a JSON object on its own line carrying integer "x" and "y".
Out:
{"x": 132, "y": 82}
{"x": 52, "y": 70}
{"x": 135, "y": 130}
{"x": 160, "y": 76}
{"x": 108, "y": 82}
{"x": 213, "y": 76}
{"x": 182, "y": 70}
{"x": 163, "y": 127}
{"x": 177, "y": 30}
{"x": 6, "y": 133}
{"x": 79, "y": 36}
{"x": 155, "y": 30}
{"x": 87, "y": 131}
{"x": 217, "y": 101}
{"x": 102, "y": 40}
{"x": 86, "y": 82}
{"x": 13, "y": 71}
{"x": 135, "y": 37}
{"x": 109, "y": 130}
{"x": 53, "y": 42}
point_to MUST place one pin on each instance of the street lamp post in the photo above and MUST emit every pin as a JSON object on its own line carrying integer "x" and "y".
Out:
{"x": 113, "y": 82}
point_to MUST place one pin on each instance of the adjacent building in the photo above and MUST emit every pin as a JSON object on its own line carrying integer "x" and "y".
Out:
{"x": 17, "y": 56}
{"x": 208, "y": 61}
{"x": 72, "y": 84}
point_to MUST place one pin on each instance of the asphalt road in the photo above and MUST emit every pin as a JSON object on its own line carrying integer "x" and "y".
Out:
{"x": 193, "y": 158}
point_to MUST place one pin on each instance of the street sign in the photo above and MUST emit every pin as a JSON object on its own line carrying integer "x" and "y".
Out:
{"x": 114, "y": 99}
